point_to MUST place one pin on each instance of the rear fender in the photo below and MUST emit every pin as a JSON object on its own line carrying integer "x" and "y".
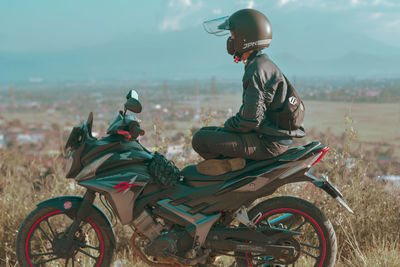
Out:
{"x": 66, "y": 203}
{"x": 328, "y": 187}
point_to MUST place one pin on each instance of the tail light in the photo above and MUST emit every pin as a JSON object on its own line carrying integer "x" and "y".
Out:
{"x": 321, "y": 153}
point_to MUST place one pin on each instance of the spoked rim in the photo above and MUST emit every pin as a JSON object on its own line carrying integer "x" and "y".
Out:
{"x": 44, "y": 237}
{"x": 295, "y": 220}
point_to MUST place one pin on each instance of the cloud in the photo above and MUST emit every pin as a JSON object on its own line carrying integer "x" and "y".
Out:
{"x": 354, "y": 2}
{"x": 374, "y": 3}
{"x": 376, "y": 15}
{"x": 393, "y": 24}
{"x": 281, "y": 3}
{"x": 250, "y": 4}
{"x": 339, "y": 4}
{"x": 177, "y": 12}
{"x": 171, "y": 23}
{"x": 187, "y": 2}
{"x": 386, "y": 3}
{"x": 217, "y": 11}
{"x": 246, "y": 3}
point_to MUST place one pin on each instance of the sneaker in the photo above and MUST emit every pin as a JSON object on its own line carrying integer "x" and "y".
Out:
{"x": 214, "y": 167}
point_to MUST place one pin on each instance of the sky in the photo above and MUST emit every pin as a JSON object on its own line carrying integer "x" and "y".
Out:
{"x": 303, "y": 29}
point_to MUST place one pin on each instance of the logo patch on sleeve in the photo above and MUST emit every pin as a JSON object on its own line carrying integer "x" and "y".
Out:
{"x": 293, "y": 100}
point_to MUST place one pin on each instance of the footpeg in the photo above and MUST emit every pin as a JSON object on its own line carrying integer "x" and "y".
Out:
{"x": 241, "y": 216}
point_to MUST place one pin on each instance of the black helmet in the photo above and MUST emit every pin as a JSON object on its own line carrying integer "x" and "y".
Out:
{"x": 251, "y": 28}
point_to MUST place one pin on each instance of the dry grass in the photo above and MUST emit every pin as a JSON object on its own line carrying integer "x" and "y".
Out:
{"x": 367, "y": 238}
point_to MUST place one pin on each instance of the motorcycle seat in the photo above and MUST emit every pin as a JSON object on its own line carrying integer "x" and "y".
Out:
{"x": 193, "y": 178}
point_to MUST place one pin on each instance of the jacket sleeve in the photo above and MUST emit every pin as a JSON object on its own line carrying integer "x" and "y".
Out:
{"x": 259, "y": 92}
{"x": 252, "y": 111}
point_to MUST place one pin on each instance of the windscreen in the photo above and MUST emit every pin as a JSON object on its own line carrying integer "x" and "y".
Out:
{"x": 219, "y": 26}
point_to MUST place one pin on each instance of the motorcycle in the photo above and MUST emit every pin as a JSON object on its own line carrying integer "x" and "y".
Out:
{"x": 180, "y": 218}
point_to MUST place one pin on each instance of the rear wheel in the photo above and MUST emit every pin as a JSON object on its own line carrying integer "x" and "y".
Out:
{"x": 40, "y": 239}
{"x": 315, "y": 247}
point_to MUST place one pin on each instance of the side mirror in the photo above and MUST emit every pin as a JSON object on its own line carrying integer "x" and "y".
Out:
{"x": 133, "y": 105}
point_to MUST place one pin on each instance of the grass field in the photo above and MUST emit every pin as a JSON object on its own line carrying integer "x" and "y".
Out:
{"x": 377, "y": 123}
{"x": 374, "y": 122}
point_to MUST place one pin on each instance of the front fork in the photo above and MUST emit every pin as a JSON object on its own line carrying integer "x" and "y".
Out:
{"x": 82, "y": 211}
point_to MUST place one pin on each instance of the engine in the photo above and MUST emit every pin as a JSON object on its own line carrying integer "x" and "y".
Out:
{"x": 162, "y": 244}
{"x": 162, "y": 247}
{"x": 146, "y": 225}
{"x": 170, "y": 243}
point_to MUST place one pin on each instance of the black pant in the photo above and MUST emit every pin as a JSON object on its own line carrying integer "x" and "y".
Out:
{"x": 214, "y": 142}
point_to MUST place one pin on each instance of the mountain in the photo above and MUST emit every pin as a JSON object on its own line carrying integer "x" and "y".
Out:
{"x": 192, "y": 54}
{"x": 352, "y": 63}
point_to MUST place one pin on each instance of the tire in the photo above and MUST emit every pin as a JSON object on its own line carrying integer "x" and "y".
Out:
{"x": 39, "y": 232}
{"x": 319, "y": 235}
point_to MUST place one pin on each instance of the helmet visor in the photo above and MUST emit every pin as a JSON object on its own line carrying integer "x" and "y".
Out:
{"x": 219, "y": 26}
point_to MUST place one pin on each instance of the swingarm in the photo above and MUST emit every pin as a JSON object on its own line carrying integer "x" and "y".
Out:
{"x": 221, "y": 237}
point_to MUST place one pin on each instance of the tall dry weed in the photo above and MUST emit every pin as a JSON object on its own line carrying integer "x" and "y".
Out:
{"x": 367, "y": 238}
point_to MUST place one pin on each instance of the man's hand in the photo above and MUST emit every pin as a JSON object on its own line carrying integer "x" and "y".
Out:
{"x": 239, "y": 125}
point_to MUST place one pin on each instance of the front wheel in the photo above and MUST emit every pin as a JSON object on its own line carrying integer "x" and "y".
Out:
{"x": 316, "y": 246}
{"x": 41, "y": 235}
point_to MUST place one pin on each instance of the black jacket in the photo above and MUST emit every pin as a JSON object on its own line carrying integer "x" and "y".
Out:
{"x": 264, "y": 88}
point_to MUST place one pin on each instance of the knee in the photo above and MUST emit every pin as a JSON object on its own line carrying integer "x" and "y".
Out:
{"x": 198, "y": 140}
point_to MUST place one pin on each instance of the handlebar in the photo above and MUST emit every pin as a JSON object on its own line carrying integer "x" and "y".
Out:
{"x": 135, "y": 130}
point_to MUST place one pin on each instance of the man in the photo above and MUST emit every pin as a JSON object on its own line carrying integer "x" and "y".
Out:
{"x": 271, "y": 111}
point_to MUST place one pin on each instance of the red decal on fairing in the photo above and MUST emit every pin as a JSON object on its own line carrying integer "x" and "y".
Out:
{"x": 124, "y": 186}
